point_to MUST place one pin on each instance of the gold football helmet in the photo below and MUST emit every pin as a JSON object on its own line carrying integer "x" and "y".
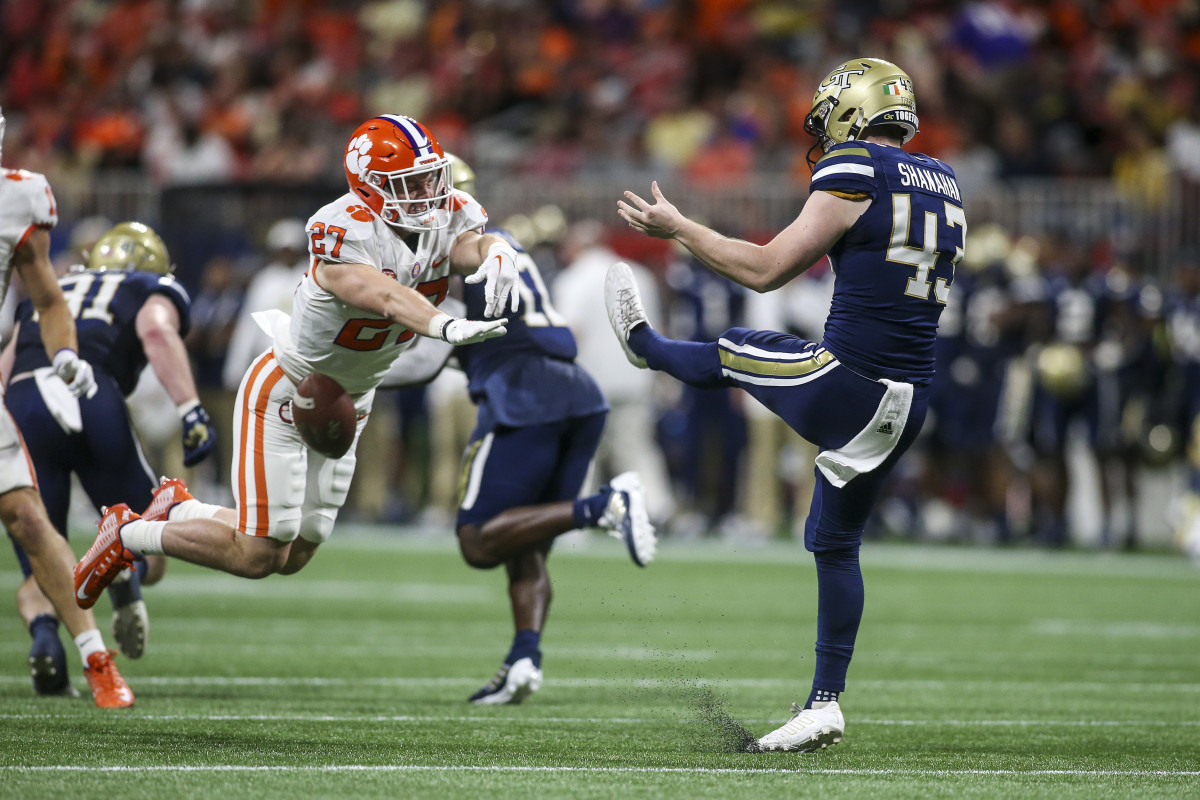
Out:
{"x": 859, "y": 94}
{"x": 463, "y": 176}
{"x": 130, "y": 246}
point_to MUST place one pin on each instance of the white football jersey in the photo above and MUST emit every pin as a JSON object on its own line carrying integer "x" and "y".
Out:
{"x": 350, "y": 345}
{"x": 26, "y": 202}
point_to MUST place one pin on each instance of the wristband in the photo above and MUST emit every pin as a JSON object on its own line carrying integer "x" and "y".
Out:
{"x": 438, "y": 325}
{"x": 186, "y": 407}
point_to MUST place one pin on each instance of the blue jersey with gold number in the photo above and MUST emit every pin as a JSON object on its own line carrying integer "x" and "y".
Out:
{"x": 105, "y": 307}
{"x": 895, "y": 265}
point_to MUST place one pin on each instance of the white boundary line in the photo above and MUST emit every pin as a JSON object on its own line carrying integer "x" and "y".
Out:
{"x": 660, "y": 770}
{"x": 523, "y": 720}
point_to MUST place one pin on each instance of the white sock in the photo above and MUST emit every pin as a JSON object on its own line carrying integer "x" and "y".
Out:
{"x": 143, "y": 538}
{"x": 89, "y": 642}
{"x": 192, "y": 509}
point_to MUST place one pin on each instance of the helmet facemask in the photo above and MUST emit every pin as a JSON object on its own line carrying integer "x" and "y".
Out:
{"x": 415, "y": 199}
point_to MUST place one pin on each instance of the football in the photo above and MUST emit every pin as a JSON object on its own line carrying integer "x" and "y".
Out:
{"x": 324, "y": 415}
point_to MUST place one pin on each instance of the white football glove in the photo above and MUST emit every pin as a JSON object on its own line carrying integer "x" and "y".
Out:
{"x": 75, "y": 373}
{"x": 499, "y": 269}
{"x": 465, "y": 331}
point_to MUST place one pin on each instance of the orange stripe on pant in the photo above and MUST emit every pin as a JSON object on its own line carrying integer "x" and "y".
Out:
{"x": 254, "y": 407}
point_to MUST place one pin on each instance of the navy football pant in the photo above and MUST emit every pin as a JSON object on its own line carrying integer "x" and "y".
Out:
{"x": 828, "y": 404}
{"x": 106, "y": 455}
{"x": 507, "y": 467}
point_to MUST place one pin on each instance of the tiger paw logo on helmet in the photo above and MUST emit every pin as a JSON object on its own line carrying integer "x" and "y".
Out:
{"x": 357, "y": 159}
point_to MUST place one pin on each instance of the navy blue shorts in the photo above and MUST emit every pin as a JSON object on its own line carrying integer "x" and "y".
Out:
{"x": 507, "y": 467}
{"x": 106, "y": 455}
{"x": 827, "y": 403}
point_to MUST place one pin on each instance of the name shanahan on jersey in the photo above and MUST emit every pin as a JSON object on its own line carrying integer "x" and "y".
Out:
{"x": 351, "y": 346}
{"x": 26, "y": 202}
{"x": 888, "y": 297}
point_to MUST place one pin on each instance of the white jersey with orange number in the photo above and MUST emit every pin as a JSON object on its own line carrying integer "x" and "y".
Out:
{"x": 26, "y": 202}
{"x": 350, "y": 345}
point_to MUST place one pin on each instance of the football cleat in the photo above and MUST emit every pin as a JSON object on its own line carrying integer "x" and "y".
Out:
{"x": 512, "y": 684}
{"x": 625, "y": 310}
{"x": 131, "y": 628}
{"x": 625, "y": 518}
{"x": 105, "y": 558}
{"x": 109, "y": 689}
{"x": 170, "y": 493}
{"x": 809, "y": 730}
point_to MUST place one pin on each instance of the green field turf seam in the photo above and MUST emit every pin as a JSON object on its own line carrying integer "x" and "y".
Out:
{"x": 1132, "y": 773}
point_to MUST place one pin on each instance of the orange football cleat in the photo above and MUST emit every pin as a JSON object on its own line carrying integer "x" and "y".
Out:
{"x": 109, "y": 689}
{"x": 105, "y": 558}
{"x": 170, "y": 493}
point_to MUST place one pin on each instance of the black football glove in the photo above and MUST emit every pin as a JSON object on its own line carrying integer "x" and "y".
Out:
{"x": 199, "y": 436}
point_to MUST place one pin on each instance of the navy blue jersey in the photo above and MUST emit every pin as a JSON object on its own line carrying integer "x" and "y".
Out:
{"x": 895, "y": 265}
{"x": 105, "y": 307}
{"x": 535, "y": 325}
{"x": 1079, "y": 308}
{"x": 529, "y": 375}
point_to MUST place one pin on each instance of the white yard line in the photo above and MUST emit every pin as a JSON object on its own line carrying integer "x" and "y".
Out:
{"x": 334, "y": 768}
{"x": 986, "y": 723}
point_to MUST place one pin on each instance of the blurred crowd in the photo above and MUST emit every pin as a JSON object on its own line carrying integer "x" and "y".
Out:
{"x": 214, "y": 90}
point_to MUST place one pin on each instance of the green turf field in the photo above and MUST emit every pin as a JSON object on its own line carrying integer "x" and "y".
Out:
{"x": 979, "y": 673}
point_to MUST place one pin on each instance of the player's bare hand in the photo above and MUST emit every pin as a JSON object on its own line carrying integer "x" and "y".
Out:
{"x": 660, "y": 219}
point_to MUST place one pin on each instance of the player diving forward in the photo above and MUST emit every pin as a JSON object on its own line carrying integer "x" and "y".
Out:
{"x": 893, "y": 226}
{"x": 27, "y": 212}
{"x": 539, "y": 422}
{"x": 128, "y": 311}
{"x": 381, "y": 259}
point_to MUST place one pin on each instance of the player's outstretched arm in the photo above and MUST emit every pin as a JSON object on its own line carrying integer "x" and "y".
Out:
{"x": 362, "y": 286}
{"x": 823, "y": 220}
{"x": 157, "y": 326}
{"x": 489, "y": 258}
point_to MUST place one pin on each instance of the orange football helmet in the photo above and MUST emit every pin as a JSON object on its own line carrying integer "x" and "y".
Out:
{"x": 395, "y": 165}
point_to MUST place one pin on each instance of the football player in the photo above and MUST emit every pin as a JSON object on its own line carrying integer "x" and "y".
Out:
{"x": 27, "y": 213}
{"x": 128, "y": 311}
{"x": 381, "y": 255}
{"x": 539, "y": 423}
{"x": 893, "y": 227}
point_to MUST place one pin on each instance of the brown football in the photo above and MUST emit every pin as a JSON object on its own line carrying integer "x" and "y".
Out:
{"x": 324, "y": 415}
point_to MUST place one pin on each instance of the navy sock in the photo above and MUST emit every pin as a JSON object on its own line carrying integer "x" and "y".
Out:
{"x": 695, "y": 363}
{"x": 839, "y": 611}
{"x": 525, "y": 645}
{"x": 588, "y": 510}
{"x": 122, "y": 593}
{"x": 43, "y": 628}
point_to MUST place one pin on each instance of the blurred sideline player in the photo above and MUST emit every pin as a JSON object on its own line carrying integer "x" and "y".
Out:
{"x": 893, "y": 226}
{"x": 540, "y": 419}
{"x": 381, "y": 259}
{"x": 128, "y": 311}
{"x": 27, "y": 212}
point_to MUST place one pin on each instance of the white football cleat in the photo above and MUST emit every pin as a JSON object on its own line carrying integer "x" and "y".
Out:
{"x": 625, "y": 517}
{"x": 625, "y": 310}
{"x": 808, "y": 730}
{"x": 512, "y": 684}
{"x": 131, "y": 628}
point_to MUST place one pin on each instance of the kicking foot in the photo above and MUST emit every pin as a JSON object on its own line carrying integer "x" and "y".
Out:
{"x": 625, "y": 518}
{"x": 625, "y": 310}
{"x": 512, "y": 684}
{"x": 809, "y": 730}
